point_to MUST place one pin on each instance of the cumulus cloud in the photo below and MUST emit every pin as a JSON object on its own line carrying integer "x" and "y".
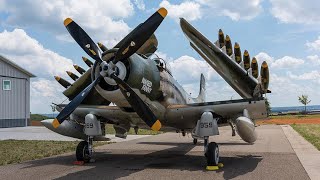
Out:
{"x": 235, "y": 10}
{"x": 28, "y": 53}
{"x": 140, "y": 4}
{"x": 188, "y": 10}
{"x": 287, "y": 62}
{"x": 315, "y": 45}
{"x": 297, "y": 11}
{"x": 32, "y": 55}
{"x": 315, "y": 59}
{"x": 101, "y": 19}
{"x": 313, "y": 75}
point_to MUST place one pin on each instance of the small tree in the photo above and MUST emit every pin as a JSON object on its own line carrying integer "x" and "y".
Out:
{"x": 268, "y": 106}
{"x": 304, "y": 100}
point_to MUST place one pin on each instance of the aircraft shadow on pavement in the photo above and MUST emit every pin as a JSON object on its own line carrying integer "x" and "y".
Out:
{"x": 112, "y": 165}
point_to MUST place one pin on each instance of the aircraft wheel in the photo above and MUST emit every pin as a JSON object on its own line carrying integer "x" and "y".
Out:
{"x": 212, "y": 154}
{"x": 82, "y": 152}
{"x": 195, "y": 141}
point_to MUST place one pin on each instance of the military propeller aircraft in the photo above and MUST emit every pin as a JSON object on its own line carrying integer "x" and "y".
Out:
{"x": 146, "y": 95}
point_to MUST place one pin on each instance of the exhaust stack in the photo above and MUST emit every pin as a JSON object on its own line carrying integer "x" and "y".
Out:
{"x": 102, "y": 47}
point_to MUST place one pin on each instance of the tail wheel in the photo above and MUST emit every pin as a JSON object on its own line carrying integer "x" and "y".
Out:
{"x": 212, "y": 154}
{"x": 195, "y": 141}
{"x": 82, "y": 152}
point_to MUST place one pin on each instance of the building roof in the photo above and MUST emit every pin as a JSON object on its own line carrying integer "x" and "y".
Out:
{"x": 16, "y": 66}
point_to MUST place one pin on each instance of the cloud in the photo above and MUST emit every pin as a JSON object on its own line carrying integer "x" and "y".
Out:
{"x": 140, "y": 4}
{"x": 30, "y": 54}
{"x": 103, "y": 20}
{"x": 43, "y": 93}
{"x": 315, "y": 45}
{"x": 188, "y": 10}
{"x": 297, "y": 11}
{"x": 284, "y": 62}
{"x": 235, "y": 10}
{"x": 313, "y": 75}
{"x": 287, "y": 62}
{"x": 315, "y": 59}
{"x": 188, "y": 69}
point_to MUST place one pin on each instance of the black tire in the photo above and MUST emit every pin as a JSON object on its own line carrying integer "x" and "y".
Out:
{"x": 82, "y": 152}
{"x": 195, "y": 141}
{"x": 212, "y": 154}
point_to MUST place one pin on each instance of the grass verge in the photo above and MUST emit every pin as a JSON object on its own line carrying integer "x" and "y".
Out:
{"x": 300, "y": 116}
{"x": 16, "y": 151}
{"x": 311, "y": 132}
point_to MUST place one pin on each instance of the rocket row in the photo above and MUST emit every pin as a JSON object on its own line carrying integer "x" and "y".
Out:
{"x": 224, "y": 42}
{"x": 73, "y": 76}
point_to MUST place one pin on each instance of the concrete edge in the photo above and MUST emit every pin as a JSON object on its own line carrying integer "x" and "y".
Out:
{"x": 307, "y": 154}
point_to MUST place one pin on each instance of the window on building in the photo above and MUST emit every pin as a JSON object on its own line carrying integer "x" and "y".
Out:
{"x": 6, "y": 85}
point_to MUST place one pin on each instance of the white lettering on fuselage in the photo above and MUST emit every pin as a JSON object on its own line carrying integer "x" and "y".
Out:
{"x": 146, "y": 85}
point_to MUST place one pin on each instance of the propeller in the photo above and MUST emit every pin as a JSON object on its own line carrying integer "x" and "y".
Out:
{"x": 127, "y": 47}
{"x": 83, "y": 39}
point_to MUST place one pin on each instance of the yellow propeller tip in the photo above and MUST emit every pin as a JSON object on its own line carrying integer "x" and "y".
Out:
{"x": 55, "y": 123}
{"x": 246, "y": 53}
{"x": 100, "y": 44}
{"x": 163, "y": 12}
{"x": 236, "y": 45}
{"x": 69, "y": 72}
{"x": 227, "y": 38}
{"x": 84, "y": 58}
{"x": 67, "y": 21}
{"x": 75, "y": 66}
{"x": 156, "y": 126}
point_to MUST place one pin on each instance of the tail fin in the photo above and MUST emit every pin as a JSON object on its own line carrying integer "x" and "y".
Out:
{"x": 202, "y": 94}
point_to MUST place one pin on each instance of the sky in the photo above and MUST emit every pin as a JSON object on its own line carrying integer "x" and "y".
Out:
{"x": 285, "y": 33}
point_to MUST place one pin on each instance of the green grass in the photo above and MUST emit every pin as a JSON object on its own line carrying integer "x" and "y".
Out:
{"x": 311, "y": 132}
{"x": 16, "y": 151}
{"x": 38, "y": 117}
{"x": 299, "y": 116}
{"x": 110, "y": 130}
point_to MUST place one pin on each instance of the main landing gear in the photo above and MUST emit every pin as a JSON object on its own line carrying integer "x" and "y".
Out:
{"x": 212, "y": 154}
{"x": 84, "y": 151}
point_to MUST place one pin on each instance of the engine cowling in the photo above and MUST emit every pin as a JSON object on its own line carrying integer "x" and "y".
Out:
{"x": 246, "y": 129}
{"x": 137, "y": 71}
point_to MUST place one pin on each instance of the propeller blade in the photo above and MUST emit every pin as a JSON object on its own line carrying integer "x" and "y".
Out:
{"x": 136, "y": 38}
{"x": 138, "y": 105}
{"x": 74, "y": 104}
{"x": 83, "y": 39}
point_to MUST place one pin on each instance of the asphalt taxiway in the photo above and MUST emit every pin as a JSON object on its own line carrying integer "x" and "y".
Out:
{"x": 172, "y": 156}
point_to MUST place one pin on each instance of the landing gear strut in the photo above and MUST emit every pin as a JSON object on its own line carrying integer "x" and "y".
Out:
{"x": 211, "y": 153}
{"x": 84, "y": 151}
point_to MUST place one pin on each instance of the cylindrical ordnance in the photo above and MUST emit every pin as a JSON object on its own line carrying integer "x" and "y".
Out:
{"x": 228, "y": 45}
{"x": 237, "y": 53}
{"x": 102, "y": 47}
{"x": 87, "y": 61}
{"x": 254, "y": 67}
{"x": 63, "y": 82}
{"x": 264, "y": 75}
{"x": 79, "y": 69}
{"x": 221, "y": 38}
{"x": 73, "y": 76}
{"x": 246, "y": 60}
